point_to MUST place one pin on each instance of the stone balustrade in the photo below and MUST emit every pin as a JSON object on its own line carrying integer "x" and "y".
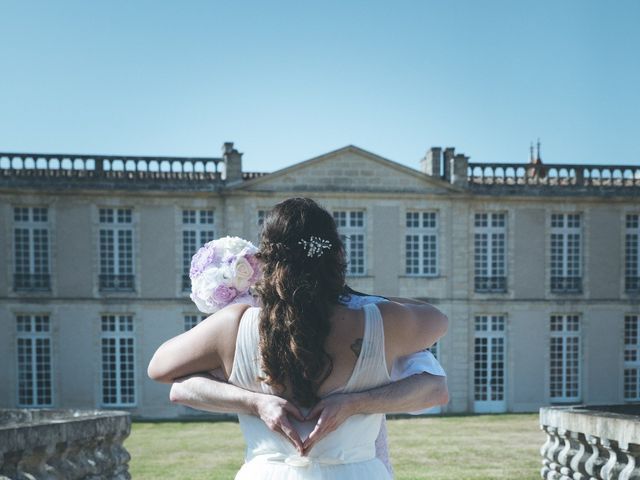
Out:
{"x": 560, "y": 175}
{"x": 63, "y": 444}
{"x": 589, "y": 443}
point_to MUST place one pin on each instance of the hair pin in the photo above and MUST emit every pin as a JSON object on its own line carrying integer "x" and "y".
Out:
{"x": 315, "y": 246}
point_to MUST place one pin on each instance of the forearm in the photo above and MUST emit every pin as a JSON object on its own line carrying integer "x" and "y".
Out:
{"x": 204, "y": 392}
{"x": 411, "y": 394}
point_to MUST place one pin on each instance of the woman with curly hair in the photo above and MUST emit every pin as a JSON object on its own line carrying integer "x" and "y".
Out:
{"x": 304, "y": 346}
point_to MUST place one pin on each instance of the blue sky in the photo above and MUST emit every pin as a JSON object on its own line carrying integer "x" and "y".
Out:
{"x": 290, "y": 80}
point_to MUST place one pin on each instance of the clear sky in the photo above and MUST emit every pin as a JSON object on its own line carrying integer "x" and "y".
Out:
{"x": 290, "y": 80}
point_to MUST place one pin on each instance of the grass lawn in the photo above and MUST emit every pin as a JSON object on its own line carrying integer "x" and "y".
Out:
{"x": 482, "y": 447}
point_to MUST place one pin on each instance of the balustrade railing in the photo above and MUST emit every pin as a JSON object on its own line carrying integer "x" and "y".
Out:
{"x": 591, "y": 443}
{"x": 109, "y": 166}
{"x": 64, "y": 444}
{"x": 561, "y": 175}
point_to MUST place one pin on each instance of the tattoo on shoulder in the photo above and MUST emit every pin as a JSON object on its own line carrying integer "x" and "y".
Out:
{"x": 356, "y": 347}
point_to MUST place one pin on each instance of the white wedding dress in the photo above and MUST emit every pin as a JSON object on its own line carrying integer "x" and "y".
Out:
{"x": 349, "y": 452}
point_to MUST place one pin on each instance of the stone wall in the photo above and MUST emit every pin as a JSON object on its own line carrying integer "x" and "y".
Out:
{"x": 63, "y": 444}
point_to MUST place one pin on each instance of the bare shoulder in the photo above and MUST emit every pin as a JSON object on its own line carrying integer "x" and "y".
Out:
{"x": 227, "y": 318}
{"x": 412, "y": 327}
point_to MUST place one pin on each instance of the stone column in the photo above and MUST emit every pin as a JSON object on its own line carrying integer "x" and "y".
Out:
{"x": 430, "y": 164}
{"x": 232, "y": 163}
{"x": 459, "y": 167}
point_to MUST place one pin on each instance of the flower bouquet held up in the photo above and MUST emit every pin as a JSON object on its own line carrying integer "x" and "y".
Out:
{"x": 223, "y": 272}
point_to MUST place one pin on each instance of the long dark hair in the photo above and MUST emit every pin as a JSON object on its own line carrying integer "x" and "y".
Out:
{"x": 298, "y": 293}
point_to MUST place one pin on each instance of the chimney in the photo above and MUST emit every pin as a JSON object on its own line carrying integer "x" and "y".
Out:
{"x": 430, "y": 164}
{"x": 232, "y": 163}
{"x": 459, "y": 166}
{"x": 449, "y": 153}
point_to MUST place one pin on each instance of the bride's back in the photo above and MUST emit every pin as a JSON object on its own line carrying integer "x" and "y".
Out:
{"x": 347, "y": 452}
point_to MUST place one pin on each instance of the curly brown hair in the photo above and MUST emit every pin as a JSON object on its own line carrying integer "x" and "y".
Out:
{"x": 298, "y": 294}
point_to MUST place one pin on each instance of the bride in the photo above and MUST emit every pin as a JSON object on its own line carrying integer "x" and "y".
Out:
{"x": 303, "y": 346}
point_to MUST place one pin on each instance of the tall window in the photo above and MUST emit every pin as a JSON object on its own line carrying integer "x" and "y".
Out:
{"x": 489, "y": 363}
{"x": 261, "y": 215}
{"x": 565, "y": 358}
{"x": 31, "y": 248}
{"x": 632, "y": 257}
{"x": 421, "y": 243}
{"x": 116, "y": 249}
{"x": 490, "y": 272}
{"x": 34, "y": 360}
{"x": 118, "y": 360}
{"x": 631, "y": 358}
{"x": 566, "y": 270}
{"x": 197, "y": 229}
{"x": 191, "y": 321}
{"x": 351, "y": 227}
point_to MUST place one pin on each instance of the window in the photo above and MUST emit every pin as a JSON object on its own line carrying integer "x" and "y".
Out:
{"x": 489, "y": 363}
{"x": 262, "y": 214}
{"x": 631, "y": 358}
{"x": 31, "y": 248}
{"x": 421, "y": 243}
{"x": 191, "y": 321}
{"x": 351, "y": 228}
{"x": 632, "y": 258}
{"x": 197, "y": 229}
{"x": 260, "y": 218}
{"x": 34, "y": 360}
{"x": 116, "y": 250}
{"x": 566, "y": 253}
{"x": 489, "y": 240}
{"x": 118, "y": 360}
{"x": 565, "y": 358}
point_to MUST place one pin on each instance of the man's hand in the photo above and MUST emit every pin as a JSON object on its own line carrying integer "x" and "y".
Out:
{"x": 331, "y": 412}
{"x": 275, "y": 412}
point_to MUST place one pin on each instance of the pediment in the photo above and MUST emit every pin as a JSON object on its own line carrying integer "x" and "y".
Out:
{"x": 349, "y": 169}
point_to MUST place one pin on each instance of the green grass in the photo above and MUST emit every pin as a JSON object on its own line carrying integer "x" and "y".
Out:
{"x": 480, "y": 447}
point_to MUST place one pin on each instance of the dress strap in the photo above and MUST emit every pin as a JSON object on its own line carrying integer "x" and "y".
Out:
{"x": 371, "y": 368}
{"x": 246, "y": 361}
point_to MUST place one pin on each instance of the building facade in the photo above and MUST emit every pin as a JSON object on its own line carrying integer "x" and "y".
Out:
{"x": 537, "y": 267}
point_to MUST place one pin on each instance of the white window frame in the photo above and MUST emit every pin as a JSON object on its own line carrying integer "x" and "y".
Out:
{"x": 495, "y": 234}
{"x": 562, "y": 235}
{"x": 632, "y": 253}
{"x": 32, "y": 225}
{"x": 568, "y": 336}
{"x": 631, "y": 357}
{"x": 33, "y": 335}
{"x": 349, "y": 230}
{"x": 121, "y": 332}
{"x": 423, "y": 233}
{"x": 202, "y": 229}
{"x": 116, "y": 226}
{"x": 492, "y": 329}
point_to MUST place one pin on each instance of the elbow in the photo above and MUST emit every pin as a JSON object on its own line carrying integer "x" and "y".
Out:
{"x": 443, "y": 324}
{"x": 156, "y": 372}
{"x": 442, "y": 393}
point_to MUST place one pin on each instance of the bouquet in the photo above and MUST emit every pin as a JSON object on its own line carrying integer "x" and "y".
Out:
{"x": 223, "y": 272}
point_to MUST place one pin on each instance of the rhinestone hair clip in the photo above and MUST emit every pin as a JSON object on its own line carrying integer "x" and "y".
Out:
{"x": 315, "y": 246}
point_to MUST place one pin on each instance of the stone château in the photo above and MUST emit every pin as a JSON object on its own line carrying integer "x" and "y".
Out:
{"x": 537, "y": 266}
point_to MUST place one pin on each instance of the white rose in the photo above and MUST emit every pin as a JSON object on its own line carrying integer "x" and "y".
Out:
{"x": 243, "y": 273}
{"x": 201, "y": 288}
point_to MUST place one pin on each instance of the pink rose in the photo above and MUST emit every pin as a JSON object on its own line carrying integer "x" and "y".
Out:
{"x": 222, "y": 294}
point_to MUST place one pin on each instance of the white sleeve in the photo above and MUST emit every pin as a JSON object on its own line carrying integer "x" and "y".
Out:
{"x": 419, "y": 362}
{"x": 414, "y": 364}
